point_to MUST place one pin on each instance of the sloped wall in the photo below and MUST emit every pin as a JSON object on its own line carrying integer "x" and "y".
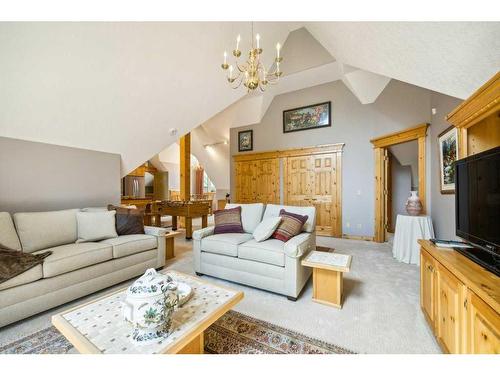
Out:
{"x": 40, "y": 177}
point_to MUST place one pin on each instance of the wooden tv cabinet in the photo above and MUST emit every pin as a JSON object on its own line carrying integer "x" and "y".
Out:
{"x": 460, "y": 300}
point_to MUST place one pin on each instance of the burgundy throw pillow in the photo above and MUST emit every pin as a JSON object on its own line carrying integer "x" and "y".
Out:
{"x": 291, "y": 225}
{"x": 228, "y": 221}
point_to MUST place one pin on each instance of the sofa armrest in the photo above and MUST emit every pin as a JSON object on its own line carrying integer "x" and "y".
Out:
{"x": 155, "y": 231}
{"x": 203, "y": 232}
{"x": 300, "y": 245}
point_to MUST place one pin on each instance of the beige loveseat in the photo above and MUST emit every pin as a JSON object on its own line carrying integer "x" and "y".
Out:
{"x": 73, "y": 269}
{"x": 271, "y": 265}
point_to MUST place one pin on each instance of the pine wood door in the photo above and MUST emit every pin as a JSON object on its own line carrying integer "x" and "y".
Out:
{"x": 483, "y": 334}
{"x": 450, "y": 297}
{"x": 299, "y": 181}
{"x": 323, "y": 196}
{"x": 428, "y": 285}
{"x": 267, "y": 180}
{"x": 312, "y": 180}
{"x": 245, "y": 187}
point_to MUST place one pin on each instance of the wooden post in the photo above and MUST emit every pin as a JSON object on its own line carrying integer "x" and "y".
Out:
{"x": 185, "y": 167}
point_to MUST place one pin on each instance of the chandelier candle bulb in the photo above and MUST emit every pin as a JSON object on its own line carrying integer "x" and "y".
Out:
{"x": 238, "y": 38}
{"x": 278, "y": 47}
{"x": 257, "y": 37}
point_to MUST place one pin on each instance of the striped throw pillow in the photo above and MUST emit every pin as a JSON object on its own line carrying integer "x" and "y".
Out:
{"x": 291, "y": 225}
{"x": 228, "y": 221}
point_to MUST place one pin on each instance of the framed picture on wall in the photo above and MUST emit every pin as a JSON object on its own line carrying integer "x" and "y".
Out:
{"x": 448, "y": 151}
{"x": 245, "y": 140}
{"x": 309, "y": 117}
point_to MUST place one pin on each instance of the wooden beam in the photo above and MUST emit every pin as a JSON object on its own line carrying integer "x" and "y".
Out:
{"x": 185, "y": 167}
{"x": 401, "y": 136}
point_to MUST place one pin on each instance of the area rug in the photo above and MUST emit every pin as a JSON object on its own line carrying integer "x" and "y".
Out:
{"x": 233, "y": 333}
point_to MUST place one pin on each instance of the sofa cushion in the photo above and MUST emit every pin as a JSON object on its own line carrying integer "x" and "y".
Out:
{"x": 40, "y": 230}
{"x": 310, "y": 211}
{"x": 225, "y": 244}
{"x": 270, "y": 251}
{"x": 74, "y": 256}
{"x": 228, "y": 221}
{"x": 251, "y": 215}
{"x": 266, "y": 228}
{"x": 96, "y": 226}
{"x": 131, "y": 244}
{"x": 33, "y": 274}
{"x": 8, "y": 235}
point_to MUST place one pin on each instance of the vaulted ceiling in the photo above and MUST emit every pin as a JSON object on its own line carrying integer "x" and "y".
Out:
{"x": 122, "y": 87}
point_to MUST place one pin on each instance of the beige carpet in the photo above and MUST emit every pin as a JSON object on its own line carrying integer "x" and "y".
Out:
{"x": 381, "y": 313}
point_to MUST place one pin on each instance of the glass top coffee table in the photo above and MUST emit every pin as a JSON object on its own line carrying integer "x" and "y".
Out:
{"x": 98, "y": 326}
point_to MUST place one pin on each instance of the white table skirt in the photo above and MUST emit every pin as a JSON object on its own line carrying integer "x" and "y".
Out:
{"x": 409, "y": 229}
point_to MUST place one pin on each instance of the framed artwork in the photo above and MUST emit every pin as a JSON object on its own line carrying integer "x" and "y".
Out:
{"x": 245, "y": 140}
{"x": 448, "y": 151}
{"x": 309, "y": 117}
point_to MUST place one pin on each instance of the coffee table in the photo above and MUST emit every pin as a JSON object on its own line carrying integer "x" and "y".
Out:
{"x": 328, "y": 271}
{"x": 98, "y": 326}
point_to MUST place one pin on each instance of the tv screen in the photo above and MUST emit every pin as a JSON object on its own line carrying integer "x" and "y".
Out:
{"x": 477, "y": 194}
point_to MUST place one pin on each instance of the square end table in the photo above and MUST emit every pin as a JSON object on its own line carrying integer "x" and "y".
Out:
{"x": 328, "y": 271}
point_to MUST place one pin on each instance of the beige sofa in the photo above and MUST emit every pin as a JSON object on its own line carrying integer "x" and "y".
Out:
{"x": 271, "y": 265}
{"x": 73, "y": 270}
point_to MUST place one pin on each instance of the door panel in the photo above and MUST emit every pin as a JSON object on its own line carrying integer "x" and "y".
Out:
{"x": 484, "y": 336}
{"x": 428, "y": 287}
{"x": 245, "y": 182}
{"x": 449, "y": 310}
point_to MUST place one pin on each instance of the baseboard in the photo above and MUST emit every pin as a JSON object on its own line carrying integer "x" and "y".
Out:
{"x": 359, "y": 238}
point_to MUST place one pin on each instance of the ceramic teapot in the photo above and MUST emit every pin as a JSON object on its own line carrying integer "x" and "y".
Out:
{"x": 149, "y": 305}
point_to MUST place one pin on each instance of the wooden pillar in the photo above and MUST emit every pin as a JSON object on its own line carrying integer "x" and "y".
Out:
{"x": 185, "y": 167}
{"x": 421, "y": 173}
{"x": 379, "y": 235}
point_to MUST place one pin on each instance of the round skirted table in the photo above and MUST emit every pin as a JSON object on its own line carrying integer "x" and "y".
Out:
{"x": 409, "y": 229}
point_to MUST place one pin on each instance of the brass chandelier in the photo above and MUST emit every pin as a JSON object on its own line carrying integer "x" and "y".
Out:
{"x": 252, "y": 73}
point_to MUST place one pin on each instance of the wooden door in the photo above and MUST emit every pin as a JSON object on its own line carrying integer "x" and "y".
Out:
{"x": 245, "y": 187}
{"x": 483, "y": 335}
{"x": 322, "y": 188}
{"x": 267, "y": 180}
{"x": 428, "y": 285}
{"x": 299, "y": 181}
{"x": 450, "y": 299}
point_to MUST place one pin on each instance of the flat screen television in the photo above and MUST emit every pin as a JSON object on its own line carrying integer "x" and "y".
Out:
{"x": 477, "y": 209}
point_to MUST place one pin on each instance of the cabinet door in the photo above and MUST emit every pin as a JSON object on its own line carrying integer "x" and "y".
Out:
{"x": 428, "y": 285}
{"x": 450, "y": 300}
{"x": 483, "y": 327}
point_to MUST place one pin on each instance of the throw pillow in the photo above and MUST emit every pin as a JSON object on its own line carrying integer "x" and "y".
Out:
{"x": 95, "y": 226}
{"x": 128, "y": 220}
{"x": 266, "y": 228}
{"x": 291, "y": 225}
{"x": 228, "y": 221}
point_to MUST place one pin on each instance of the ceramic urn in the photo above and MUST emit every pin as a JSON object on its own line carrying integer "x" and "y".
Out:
{"x": 413, "y": 204}
{"x": 149, "y": 305}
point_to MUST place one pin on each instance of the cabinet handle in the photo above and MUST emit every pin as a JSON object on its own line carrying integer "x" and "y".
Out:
{"x": 465, "y": 304}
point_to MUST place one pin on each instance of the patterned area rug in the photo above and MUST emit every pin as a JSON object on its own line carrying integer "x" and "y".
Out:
{"x": 233, "y": 333}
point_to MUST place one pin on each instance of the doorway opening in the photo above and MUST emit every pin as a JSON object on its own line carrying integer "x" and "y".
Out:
{"x": 384, "y": 176}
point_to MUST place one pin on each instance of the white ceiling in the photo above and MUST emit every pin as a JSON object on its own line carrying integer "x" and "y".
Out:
{"x": 120, "y": 87}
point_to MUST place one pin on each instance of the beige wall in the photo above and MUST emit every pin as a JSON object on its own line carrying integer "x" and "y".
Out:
{"x": 39, "y": 177}
{"x": 400, "y": 106}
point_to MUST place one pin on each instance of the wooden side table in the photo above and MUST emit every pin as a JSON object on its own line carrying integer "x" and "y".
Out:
{"x": 328, "y": 271}
{"x": 169, "y": 244}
